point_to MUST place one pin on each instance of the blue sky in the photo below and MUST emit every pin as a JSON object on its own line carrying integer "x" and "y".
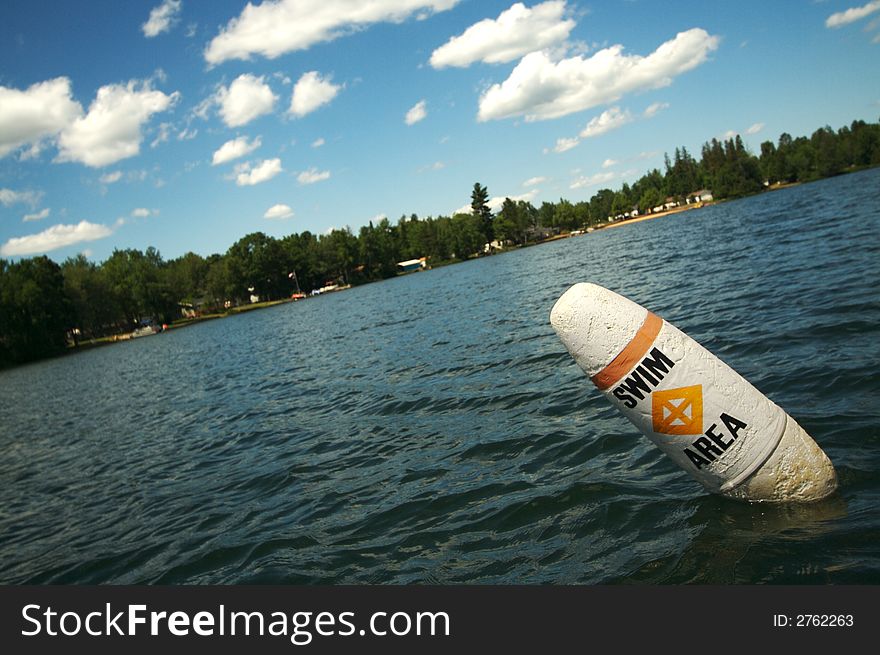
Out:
{"x": 185, "y": 124}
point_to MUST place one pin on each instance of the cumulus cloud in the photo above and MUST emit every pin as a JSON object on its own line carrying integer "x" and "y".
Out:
{"x": 416, "y": 113}
{"x": 610, "y": 163}
{"x": 272, "y": 29}
{"x": 317, "y": 143}
{"x": 112, "y": 128}
{"x": 310, "y": 92}
{"x": 162, "y": 18}
{"x": 593, "y": 180}
{"x": 247, "y": 98}
{"x": 852, "y": 15}
{"x": 517, "y": 31}
{"x": 495, "y": 202}
{"x": 608, "y": 120}
{"x": 234, "y": 149}
{"x": 540, "y": 88}
{"x": 534, "y": 181}
{"x": 58, "y": 236}
{"x": 39, "y": 216}
{"x": 10, "y": 197}
{"x": 278, "y": 212}
{"x": 40, "y": 111}
{"x": 653, "y": 109}
{"x": 312, "y": 176}
{"x": 262, "y": 172}
{"x": 565, "y": 143}
{"x": 755, "y": 128}
{"x": 143, "y": 212}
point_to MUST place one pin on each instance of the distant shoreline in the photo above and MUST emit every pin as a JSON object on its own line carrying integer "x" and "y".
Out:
{"x": 186, "y": 322}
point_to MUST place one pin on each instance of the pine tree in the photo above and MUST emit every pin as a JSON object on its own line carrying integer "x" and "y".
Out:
{"x": 480, "y": 209}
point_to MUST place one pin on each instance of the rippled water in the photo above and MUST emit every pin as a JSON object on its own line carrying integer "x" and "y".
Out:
{"x": 432, "y": 428}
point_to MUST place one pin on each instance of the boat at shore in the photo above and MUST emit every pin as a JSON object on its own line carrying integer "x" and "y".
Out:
{"x": 145, "y": 331}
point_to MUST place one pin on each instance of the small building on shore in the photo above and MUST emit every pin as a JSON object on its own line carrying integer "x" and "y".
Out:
{"x": 703, "y": 195}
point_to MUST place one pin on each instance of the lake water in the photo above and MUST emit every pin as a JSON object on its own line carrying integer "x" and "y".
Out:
{"x": 432, "y": 428}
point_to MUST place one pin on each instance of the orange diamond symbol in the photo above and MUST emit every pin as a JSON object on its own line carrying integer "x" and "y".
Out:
{"x": 678, "y": 411}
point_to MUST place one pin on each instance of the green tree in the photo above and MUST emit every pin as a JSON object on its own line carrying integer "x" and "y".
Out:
{"x": 90, "y": 297}
{"x": 187, "y": 275}
{"x": 600, "y": 204}
{"x": 652, "y": 197}
{"x": 35, "y": 313}
{"x": 512, "y": 222}
{"x": 257, "y": 266}
{"x": 467, "y": 239}
{"x": 219, "y": 282}
{"x": 480, "y": 209}
{"x": 565, "y": 217}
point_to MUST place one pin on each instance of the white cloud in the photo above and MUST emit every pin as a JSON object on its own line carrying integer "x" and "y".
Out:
{"x": 265, "y": 170}
{"x": 653, "y": 109}
{"x": 495, "y": 202}
{"x": 534, "y": 181}
{"x": 593, "y": 180}
{"x": 278, "y": 212}
{"x": 272, "y": 29}
{"x": 53, "y": 238}
{"x": 608, "y": 120}
{"x": 754, "y": 129}
{"x": 41, "y": 111}
{"x": 162, "y": 137}
{"x": 310, "y": 92}
{"x": 540, "y": 88}
{"x": 516, "y": 32}
{"x": 416, "y": 113}
{"x": 110, "y": 178}
{"x": 187, "y": 134}
{"x": 564, "y": 144}
{"x": 9, "y": 197}
{"x": 39, "y": 216}
{"x": 312, "y": 175}
{"x": 161, "y": 18}
{"x": 317, "y": 143}
{"x": 142, "y": 212}
{"x": 610, "y": 163}
{"x": 33, "y": 151}
{"x": 233, "y": 149}
{"x": 730, "y": 134}
{"x": 247, "y": 98}
{"x": 852, "y": 15}
{"x": 111, "y": 130}
{"x": 203, "y": 109}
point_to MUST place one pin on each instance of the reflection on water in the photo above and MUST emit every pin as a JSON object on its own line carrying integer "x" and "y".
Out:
{"x": 733, "y": 541}
{"x": 432, "y": 428}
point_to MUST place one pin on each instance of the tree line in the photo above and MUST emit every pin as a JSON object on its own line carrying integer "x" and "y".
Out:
{"x": 44, "y": 305}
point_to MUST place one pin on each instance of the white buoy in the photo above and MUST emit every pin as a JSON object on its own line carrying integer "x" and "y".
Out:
{"x": 694, "y": 407}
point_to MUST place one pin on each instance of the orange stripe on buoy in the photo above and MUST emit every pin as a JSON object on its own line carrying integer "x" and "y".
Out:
{"x": 631, "y": 355}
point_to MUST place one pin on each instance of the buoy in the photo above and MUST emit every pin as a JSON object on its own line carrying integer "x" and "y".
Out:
{"x": 709, "y": 419}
